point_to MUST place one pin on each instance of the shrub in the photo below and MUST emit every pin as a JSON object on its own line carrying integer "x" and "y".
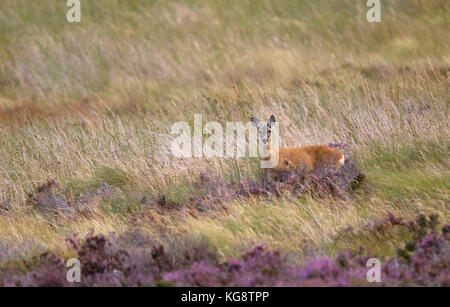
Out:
{"x": 119, "y": 261}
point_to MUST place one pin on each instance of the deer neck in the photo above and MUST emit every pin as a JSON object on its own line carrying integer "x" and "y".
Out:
{"x": 269, "y": 149}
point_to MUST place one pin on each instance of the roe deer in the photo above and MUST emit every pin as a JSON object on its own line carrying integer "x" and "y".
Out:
{"x": 308, "y": 158}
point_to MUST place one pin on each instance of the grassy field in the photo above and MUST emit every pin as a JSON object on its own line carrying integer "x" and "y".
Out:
{"x": 93, "y": 102}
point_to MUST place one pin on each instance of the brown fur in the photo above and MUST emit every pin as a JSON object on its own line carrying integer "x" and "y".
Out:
{"x": 308, "y": 158}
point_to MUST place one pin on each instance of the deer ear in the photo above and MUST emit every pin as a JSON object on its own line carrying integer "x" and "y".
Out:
{"x": 271, "y": 121}
{"x": 255, "y": 122}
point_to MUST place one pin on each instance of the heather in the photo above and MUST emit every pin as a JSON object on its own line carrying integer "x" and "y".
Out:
{"x": 133, "y": 260}
{"x": 86, "y": 111}
{"x": 207, "y": 192}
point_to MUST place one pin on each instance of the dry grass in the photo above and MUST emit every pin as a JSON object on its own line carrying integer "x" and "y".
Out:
{"x": 93, "y": 102}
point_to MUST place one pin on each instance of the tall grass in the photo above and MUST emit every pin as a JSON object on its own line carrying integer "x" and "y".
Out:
{"x": 94, "y": 102}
